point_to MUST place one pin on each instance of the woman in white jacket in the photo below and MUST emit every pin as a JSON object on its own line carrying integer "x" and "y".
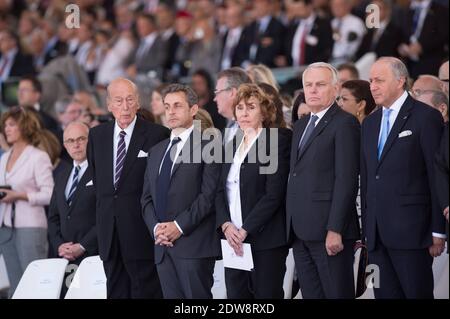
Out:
{"x": 27, "y": 171}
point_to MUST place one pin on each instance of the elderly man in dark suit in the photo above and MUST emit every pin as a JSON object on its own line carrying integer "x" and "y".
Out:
{"x": 117, "y": 154}
{"x": 71, "y": 220}
{"x": 182, "y": 219}
{"x": 322, "y": 188}
{"x": 401, "y": 217}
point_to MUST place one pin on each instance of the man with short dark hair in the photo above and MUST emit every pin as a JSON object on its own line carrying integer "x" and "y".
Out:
{"x": 182, "y": 219}
{"x": 29, "y": 95}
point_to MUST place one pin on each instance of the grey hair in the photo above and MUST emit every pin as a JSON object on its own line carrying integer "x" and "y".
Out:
{"x": 318, "y": 65}
{"x": 235, "y": 77}
{"x": 191, "y": 96}
{"x": 438, "y": 98}
{"x": 62, "y": 104}
{"x": 398, "y": 68}
{"x": 131, "y": 83}
{"x": 80, "y": 123}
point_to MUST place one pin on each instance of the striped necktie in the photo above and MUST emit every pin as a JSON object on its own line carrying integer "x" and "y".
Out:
{"x": 74, "y": 185}
{"x": 120, "y": 158}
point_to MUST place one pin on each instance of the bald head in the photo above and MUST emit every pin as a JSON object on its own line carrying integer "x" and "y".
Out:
{"x": 120, "y": 83}
{"x": 443, "y": 76}
{"x": 75, "y": 140}
{"x": 426, "y": 83}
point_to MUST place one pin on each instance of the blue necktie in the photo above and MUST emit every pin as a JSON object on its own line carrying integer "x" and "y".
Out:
{"x": 385, "y": 128}
{"x": 120, "y": 158}
{"x": 308, "y": 132}
{"x": 416, "y": 18}
{"x": 163, "y": 182}
{"x": 74, "y": 185}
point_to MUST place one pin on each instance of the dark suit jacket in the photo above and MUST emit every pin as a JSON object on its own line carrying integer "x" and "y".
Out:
{"x": 433, "y": 38}
{"x": 322, "y": 31}
{"x": 22, "y": 65}
{"x": 190, "y": 201}
{"x": 387, "y": 44}
{"x": 262, "y": 195}
{"x": 442, "y": 168}
{"x": 240, "y": 51}
{"x": 323, "y": 179}
{"x": 153, "y": 59}
{"x": 120, "y": 210}
{"x": 74, "y": 223}
{"x": 398, "y": 201}
{"x": 270, "y": 43}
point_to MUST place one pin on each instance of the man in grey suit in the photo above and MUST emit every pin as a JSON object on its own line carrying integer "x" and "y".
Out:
{"x": 182, "y": 219}
{"x": 151, "y": 52}
{"x": 322, "y": 188}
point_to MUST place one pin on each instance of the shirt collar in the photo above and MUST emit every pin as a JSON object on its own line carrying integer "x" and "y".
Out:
{"x": 184, "y": 135}
{"x": 151, "y": 37}
{"x": 398, "y": 103}
{"x": 420, "y": 4}
{"x": 321, "y": 113}
{"x": 11, "y": 54}
{"x": 128, "y": 130}
{"x": 83, "y": 164}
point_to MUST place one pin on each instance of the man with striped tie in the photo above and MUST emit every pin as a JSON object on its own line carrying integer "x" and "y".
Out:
{"x": 117, "y": 154}
{"x": 71, "y": 219}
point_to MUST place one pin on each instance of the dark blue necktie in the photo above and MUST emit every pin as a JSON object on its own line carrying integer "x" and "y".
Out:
{"x": 163, "y": 182}
{"x": 416, "y": 18}
{"x": 74, "y": 185}
{"x": 308, "y": 132}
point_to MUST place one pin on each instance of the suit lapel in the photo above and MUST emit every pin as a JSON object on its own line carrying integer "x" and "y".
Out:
{"x": 190, "y": 146}
{"x": 374, "y": 133}
{"x": 300, "y": 128}
{"x": 62, "y": 194}
{"x": 136, "y": 142}
{"x": 81, "y": 185}
{"x": 108, "y": 149}
{"x": 319, "y": 128}
{"x": 400, "y": 121}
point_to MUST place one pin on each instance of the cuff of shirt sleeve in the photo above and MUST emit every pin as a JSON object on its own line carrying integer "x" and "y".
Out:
{"x": 178, "y": 226}
{"x": 438, "y": 235}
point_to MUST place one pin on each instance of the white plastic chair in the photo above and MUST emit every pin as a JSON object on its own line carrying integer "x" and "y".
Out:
{"x": 42, "y": 279}
{"x": 89, "y": 281}
{"x": 218, "y": 290}
{"x": 4, "y": 280}
{"x": 364, "y": 64}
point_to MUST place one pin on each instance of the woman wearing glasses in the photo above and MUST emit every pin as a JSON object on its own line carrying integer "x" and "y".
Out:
{"x": 356, "y": 99}
{"x": 27, "y": 172}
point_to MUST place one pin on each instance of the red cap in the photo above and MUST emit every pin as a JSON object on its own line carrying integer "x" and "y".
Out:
{"x": 184, "y": 14}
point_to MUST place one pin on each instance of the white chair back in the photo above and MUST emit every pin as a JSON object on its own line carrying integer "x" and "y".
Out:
{"x": 42, "y": 279}
{"x": 89, "y": 281}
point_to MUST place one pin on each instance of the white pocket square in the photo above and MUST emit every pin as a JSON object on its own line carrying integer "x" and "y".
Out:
{"x": 142, "y": 154}
{"x": 405, "y": 133}
{"x": 90, "y": 183}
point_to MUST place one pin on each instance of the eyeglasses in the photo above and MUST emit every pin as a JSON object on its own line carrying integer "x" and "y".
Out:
{"x": 217, "y": 92}
{"x": 444, "y": 80}
{"x": 78, "y": 140}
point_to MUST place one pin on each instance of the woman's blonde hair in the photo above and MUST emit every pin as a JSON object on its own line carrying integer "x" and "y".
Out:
{"x": 32, "y": 131}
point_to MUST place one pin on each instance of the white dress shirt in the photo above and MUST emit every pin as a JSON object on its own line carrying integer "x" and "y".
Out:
{"x": 231, "y": 42}
{"x": 117, "y": 130}
{"x": 146, "y": 44}
{"x": 395, "y": 107}
{"x": 184, "y": 136}
{"x": 320, "y": 115}
{"x": 83, "y": 167}
{"x": 233, "y": 183}
{"x": 343, "y": 49}
{"x": 305, "y": 25}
